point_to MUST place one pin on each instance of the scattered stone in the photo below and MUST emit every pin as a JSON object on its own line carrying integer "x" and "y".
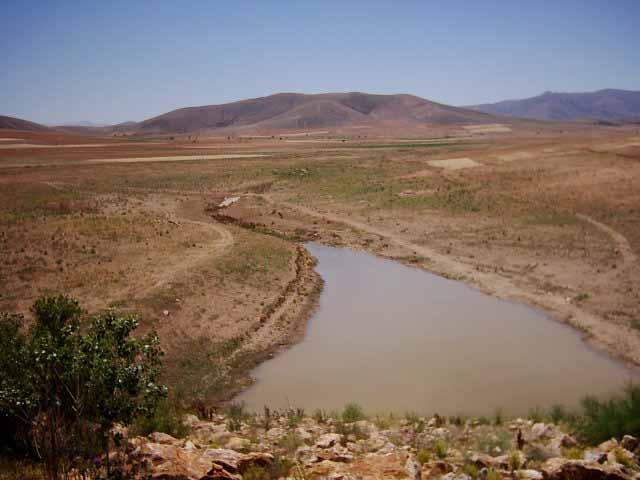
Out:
{"x": 328, "y": 440}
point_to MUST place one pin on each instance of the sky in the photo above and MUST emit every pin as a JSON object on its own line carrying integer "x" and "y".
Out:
{"x": 114, "y": 61}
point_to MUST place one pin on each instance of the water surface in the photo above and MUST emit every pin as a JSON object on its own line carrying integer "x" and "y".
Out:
{"x": 395, "y": 338}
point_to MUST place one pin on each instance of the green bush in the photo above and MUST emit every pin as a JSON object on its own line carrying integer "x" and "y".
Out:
{"x": 69, "y": 379}
{"x": 440, "y": 449}
{"x": 558, "y": 414}
{"x": 352, "y": 413}
{"x": 236, "y": 416}
{"x": 167, "y": 419}
{"x": 616, "y": 417}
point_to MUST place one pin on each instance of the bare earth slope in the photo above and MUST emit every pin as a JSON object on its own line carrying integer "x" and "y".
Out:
{"x": 606, "y": 105}
{"x": 294, "y": 111}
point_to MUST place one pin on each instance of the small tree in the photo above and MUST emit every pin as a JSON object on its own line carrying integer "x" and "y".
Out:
{"x": 70, "y": 379}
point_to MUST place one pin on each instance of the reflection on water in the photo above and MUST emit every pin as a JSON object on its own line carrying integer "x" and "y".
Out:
{"x": 394, "y": 338}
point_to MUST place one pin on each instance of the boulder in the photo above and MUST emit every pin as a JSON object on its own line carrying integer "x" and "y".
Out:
{"x": 607, "y": 446}
{"x": 328, "y": 440}
{"x": 275, "y": 434}
{"x": 563, "y": 469}
{"x": 540, "y": 431}
{"x": 529, "y": 474}
{"x": 159, "y": 437}
{"x": 629, "y": 443}
{"x": 561, "y": 441}
{"x": 594, "y": 456}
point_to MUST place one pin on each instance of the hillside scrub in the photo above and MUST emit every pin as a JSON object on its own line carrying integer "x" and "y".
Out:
{"x": 68, "y": 380}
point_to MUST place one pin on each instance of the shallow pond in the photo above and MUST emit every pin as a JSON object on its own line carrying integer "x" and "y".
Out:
{"x": 395, "y": 338}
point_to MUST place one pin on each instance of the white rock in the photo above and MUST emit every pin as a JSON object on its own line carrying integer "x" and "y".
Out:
{"x": 328, "y": 440}
{"x": 529, "y": 474}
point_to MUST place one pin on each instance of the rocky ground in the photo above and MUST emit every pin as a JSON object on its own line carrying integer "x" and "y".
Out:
{"x": 292, "y": 445}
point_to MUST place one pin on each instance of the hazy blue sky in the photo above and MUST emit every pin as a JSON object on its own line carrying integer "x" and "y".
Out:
{"x": 113, "y": 61}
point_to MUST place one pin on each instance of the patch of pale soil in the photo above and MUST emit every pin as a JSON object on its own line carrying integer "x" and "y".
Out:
{"x": 6, "y": 139}
{"x": 616, "y": 146}
{"x": 487, "y": 128}
{"x": 510, "y": 157}
{"x": 454, "y": 163}
{"x": 603, "y": 334}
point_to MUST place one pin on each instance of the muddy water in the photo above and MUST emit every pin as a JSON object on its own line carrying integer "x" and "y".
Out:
{"x": 394, "y": 338}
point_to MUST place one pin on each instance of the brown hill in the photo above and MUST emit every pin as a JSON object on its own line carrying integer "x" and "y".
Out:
{"x": 289, "y": 111}
{"x": 13, "y": 123}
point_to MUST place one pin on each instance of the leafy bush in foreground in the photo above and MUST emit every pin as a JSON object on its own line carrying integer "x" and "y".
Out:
{"x": 68, "y": 380}
{"x": 616, "y": 417}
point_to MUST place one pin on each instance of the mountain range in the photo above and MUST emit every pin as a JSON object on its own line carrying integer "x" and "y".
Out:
{"x": 603, "y": 105}
{"x": 296, "y": 111}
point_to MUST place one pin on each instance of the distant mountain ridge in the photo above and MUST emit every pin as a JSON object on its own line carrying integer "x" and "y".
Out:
{"x": 284, "y": 111}
{"x": 604, "y": 105}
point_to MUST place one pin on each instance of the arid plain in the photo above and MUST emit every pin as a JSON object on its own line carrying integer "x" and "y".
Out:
{"x": 202, "y": 236}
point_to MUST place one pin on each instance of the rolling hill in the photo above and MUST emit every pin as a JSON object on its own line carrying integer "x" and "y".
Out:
{"x": 13, "y": 123}
{"x": 289, "y": 111}
{"x": 604, "y": 105}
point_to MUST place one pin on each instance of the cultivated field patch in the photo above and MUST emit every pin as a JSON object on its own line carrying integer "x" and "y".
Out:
{"x": 454, "y": 163}
{"x": 510, "y": 157}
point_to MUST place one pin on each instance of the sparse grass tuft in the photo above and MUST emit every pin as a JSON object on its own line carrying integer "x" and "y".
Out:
{"x": 353, "y": 413}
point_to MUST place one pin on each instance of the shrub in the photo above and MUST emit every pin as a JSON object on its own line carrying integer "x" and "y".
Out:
{"x": 166, "y": 419}
{"x": 498, "y": 417}
{"x": 440, "y": 449}
{"x": 471, "y": 470}
{"x": 493, "y": 474}
{"x": 236, "y": 416}
{"x": 352, "y": 413}
{"x": 615, "y": 417}
{"x": 536, "y": 414}
{"x": 557, "y": 414}
{"x": 69, "y": 379}
{"x": 290, "y": 442}
{"x": 489, "y": 442}
{"x": 423, "y": 456}
{"x": 514, "y": 460}
{"x": 294, "y": 417}
{"x": 320, "y": 416}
